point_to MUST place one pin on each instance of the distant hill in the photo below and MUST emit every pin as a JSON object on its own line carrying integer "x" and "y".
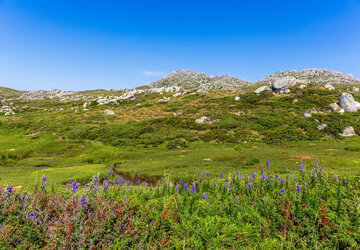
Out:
{"x": 191, "y": 80}
{"x": 7, "y": 92}
{"x": 315, "y": 76}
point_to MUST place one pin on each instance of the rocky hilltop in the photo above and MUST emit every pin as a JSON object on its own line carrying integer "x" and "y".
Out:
{"x": 315, "y": 76}
{"x": 186, "y": 79}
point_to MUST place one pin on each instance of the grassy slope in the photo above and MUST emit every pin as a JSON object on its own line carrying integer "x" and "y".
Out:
{"x": 63, "y": 141}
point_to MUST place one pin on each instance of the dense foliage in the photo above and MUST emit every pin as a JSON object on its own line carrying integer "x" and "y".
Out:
{"x": 313, "y": 210}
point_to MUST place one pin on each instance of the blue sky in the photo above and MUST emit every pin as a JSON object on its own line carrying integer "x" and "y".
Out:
{"x": 85, "y": 44}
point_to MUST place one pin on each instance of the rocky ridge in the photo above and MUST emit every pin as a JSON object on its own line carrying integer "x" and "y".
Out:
{"x": 307, "y": 76}
{"x": 186, "y": 79}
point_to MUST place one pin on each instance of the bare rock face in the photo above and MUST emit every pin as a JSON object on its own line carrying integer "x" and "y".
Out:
{"x": 261, "y": 89}
{"x": 109, "y": 112}
{"x": 348, "y": 131}
{"x": 191, "y": 80}
{"x": 284, "y": 82}
{"x": 348, "y": 103}
{"x": 203, "y": 120}
{"x": 314, "y": 76}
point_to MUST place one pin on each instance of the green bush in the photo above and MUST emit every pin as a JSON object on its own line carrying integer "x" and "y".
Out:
{"x": 177, "y": 144}
{"x": 353, "y": 148}
{"x": 252, "y": 161}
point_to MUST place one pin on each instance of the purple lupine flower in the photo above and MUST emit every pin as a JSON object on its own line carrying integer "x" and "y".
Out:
{"x": 24, "y": 196}
{"x": 9, "y": 189}
{"x": 111, "y": 169}
{"x": 335, "y": 176}
{"x": 345, "y": 181}
{"x": 282, "y": 179}
{"x": 43, "y": 181}
{"x": 104, "y": 176}
{"x": 237, "y": 173}
{"x": 268, "y": 164}
{"x": 204, "y": 196}
{"x": 205, "y": 175}
{"x": 264, "y": 199}
{"x": 185, "y": 186}
{"x": 313, "y": 171}
{"x": 214, "y": 184}
{"x": 177, "y": 189}
{"x": 231, "y": 182}
{"x": 305, "y": 185}
{"x": 321, "y": 168}
{"x": 282, "y": 191}
{"x": 105, "y": 186}
{"x": 30, "y": 215}
{"x": 193, "y": 188}
{"x": 198, "y": 174}
{"x": 222, "y": 175}
{"x": 297, "y": 189}
{"x": 317, "y": 162}
{"x": 287, "y": 170}
{"x": 301, "y": 166}
{"x": 264, "y": 178}
{"x": 294, "y": 179}
{"x": 254, "y": 176}
{"x": 287, "y": 177}
{"x": 262, "y": 171}
{"x": 83, "y": 202}
{"x": 180, "y": 182}
{"x": 74, "y": 187}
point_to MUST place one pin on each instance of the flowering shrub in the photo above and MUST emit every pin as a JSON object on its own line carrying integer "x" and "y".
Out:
{"x": 311, "y": 210}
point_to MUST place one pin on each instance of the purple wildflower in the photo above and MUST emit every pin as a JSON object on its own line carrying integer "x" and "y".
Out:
{"x": 30, "y": 215}
{"x": 204, "y": 196}
{"x": 222, "y": 175}
{"x": 43, "y": 181}
{"x": 297, "y": 189}
{"x": 111, "y": 170}
{"x": 214, "y": 184}
{"x": 262, "y": 171}
{"x": 83, "y": 202}
{"x": 105, "y": 186}
{"x": 24, "y": 196}
{"x": 317, "y": 162}
{"x": 282, "y": 191}
{"x": 9, "y": 189}
{"x": 301, "y": 166}
{"x": 193, "y": 188}
{"x": 198, "y": 174}
{"x": 231, "y": 182}
{"x": 313, "y": 171}
{"x": 321, "y": 168}
{"x": 185, "y": 186}
{"x": 177, "y": 189}
{"x": 180, "y": 182}
{"x": 74, "y": 187}
{"x": 268, "y": 164}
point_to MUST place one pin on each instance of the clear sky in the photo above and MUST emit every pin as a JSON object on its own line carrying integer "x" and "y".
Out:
{"x": 85, "y": 44}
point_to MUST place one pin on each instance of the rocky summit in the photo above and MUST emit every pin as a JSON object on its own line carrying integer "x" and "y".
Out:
{"x": 191, "y": 80}
{"x": 309, "y": 76}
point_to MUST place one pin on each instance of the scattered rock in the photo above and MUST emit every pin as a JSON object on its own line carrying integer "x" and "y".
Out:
{"x": 348, "y": 103}
{"x": 329, "y": 87}
{"x": 307, "y": 114}
{"x": 341, "y": 111}
{"x": 322, "y": 126}
{"x": 261, "y": 89}
{"x": 355, "y": 89}
{"x": 109, "y": 112}
{"x": 348, "y": 131}
{"x": 287, "y": 91}
{"x": 284, "y": 82}
{"x": 237, "y": 98}
{"x": 302, "y": 86}
{"x": 334, "y": 106}
{"x": 204, "y": 119}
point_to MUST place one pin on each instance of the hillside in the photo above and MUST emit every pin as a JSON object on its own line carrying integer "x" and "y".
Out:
{"x": 8, "y": 92}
